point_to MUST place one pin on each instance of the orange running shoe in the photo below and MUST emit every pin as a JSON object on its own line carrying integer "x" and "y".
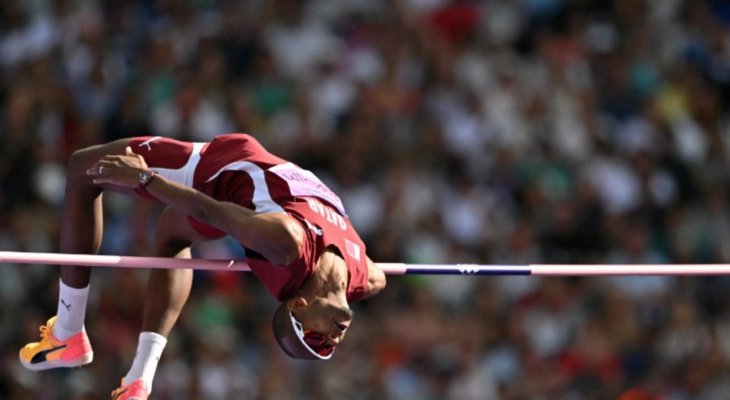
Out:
{"x": 53, "y": 353}
{"x": 136, "y": 390}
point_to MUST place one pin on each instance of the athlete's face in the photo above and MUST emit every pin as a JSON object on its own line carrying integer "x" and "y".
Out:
{"x": 323, "y": 316}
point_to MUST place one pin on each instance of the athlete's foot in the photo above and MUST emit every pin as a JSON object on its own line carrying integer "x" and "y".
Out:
{"x": 51, "y": 352}
{"x": 136, "y": 390}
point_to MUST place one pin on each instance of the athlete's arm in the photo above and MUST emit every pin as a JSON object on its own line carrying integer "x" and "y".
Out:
{"x": 276, "y": 236}
{"x": 376, "y": 279}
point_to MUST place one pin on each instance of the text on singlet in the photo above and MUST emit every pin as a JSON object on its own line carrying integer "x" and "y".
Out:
{"x": 303, "y": 183}
{"x": 328, "y": 213}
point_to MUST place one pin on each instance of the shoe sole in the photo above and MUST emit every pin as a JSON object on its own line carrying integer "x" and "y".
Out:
{"x": 46, "y": 365}
{"x": 136, "y": 398}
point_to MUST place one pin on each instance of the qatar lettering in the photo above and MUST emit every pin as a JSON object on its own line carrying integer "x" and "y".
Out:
{"x": 328, "y": 213}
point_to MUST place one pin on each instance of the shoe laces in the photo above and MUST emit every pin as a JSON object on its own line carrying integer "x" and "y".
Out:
{"x": 45, "y": 331}
{"x": 116, "y": 392}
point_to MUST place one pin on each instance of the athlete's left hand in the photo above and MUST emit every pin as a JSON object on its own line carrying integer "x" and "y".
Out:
{"x": 118, "y": 170}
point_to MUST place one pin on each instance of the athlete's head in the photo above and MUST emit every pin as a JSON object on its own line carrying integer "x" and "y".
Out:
{"x": 311, "y": 328}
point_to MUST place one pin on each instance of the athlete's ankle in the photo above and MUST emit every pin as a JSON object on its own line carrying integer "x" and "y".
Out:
{"x": 71, "y": 311}
{"x": 149, "y": 350}
{"x": 63, "y": 334}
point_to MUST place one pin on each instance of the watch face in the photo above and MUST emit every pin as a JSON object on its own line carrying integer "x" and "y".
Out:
{"x": 144, "y": 177}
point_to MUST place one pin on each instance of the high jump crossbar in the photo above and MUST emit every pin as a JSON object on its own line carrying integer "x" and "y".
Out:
{"x": 14, "y": 257}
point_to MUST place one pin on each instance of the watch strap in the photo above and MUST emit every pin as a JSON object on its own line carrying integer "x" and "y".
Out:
{"x": 145, "y": 177}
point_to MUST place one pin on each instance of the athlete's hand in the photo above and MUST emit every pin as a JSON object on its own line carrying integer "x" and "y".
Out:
{"x": 118, "y": 170}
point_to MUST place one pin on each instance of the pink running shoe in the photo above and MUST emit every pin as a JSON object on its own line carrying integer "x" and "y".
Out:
{"x": 53, "y": 353}
{"x": 136, "y": 390}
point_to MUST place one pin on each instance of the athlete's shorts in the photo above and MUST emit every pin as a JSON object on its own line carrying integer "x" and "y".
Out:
{"x": 175, "y": 160}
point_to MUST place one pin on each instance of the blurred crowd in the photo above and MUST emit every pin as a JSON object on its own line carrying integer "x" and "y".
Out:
{"x": 489, "y": 131}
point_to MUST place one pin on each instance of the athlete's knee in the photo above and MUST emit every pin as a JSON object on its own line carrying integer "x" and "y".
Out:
{"x": 79, "y": 162}
{"x": 82, "y": 159}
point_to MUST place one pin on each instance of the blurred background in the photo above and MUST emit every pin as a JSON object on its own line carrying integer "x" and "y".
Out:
{"x": 492, "y": 131}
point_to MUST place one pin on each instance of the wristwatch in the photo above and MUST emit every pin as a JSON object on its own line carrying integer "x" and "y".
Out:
{"x": 145, "y": 177}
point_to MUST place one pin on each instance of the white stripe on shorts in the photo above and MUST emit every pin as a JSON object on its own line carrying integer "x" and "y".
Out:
{"x": 185, "y": 174}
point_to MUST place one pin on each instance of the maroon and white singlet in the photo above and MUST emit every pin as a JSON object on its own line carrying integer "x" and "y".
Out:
{"x": 237, "y": 168}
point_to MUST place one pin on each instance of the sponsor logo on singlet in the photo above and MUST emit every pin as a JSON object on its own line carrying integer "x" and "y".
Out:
{"x": 148, "y": 142}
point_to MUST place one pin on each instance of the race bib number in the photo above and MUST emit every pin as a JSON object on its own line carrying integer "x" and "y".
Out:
{"x": 305, "y": 184}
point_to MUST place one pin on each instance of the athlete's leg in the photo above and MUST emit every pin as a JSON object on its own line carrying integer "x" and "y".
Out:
{"x": 168, "y": 289}
{"x": 81, "y": 232}
{"x": 64, "y": 342}
{"x": 167, "y": 293}
{"x": 82, "y": 221}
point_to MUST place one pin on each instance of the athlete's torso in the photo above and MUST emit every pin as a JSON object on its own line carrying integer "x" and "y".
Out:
{"x": 238, "y": 169}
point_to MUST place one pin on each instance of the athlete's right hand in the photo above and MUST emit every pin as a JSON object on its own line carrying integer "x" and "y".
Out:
{"x": 118, "y": 170}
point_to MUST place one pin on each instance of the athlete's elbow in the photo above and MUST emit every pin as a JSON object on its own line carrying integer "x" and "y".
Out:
{"x": 376, "y": 282}
{"x": 379, "y": 285}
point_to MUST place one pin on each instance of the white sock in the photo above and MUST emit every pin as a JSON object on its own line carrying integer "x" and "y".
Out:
{"x": 149, "y": 351}
{"x": 71, "y": 311}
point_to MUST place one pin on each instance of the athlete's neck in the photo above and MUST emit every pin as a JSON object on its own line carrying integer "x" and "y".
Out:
{"x": 329, "y": 279}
